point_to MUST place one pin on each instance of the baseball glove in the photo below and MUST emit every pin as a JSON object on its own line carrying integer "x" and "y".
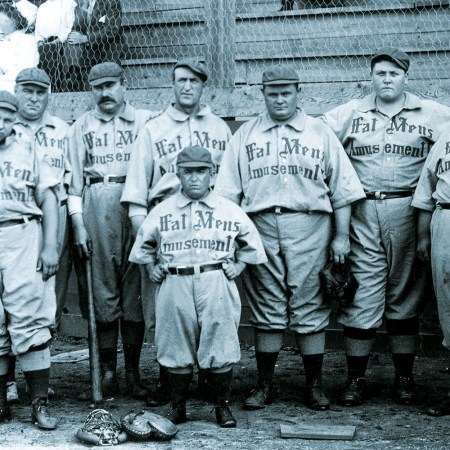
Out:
{"x": 338, "y": 283}
{"x": 146, "y": 425}
{"x": 101, "y": 428}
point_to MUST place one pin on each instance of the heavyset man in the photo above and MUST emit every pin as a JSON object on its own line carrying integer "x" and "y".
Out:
{"x": 151, "y": 175}
{"x": 291, "y": 175}
{"x": 49, "y": 135}
{"x": 387, "y": 136}
{"x": 100, "y": 145}
{"x": 28, "y": 258}
{"x": 188, "y": 243}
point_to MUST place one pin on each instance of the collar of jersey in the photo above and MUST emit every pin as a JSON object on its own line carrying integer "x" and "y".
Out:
{"x": 181, "y": 116}
{"x": 210, "y": 200}
{"x": 47, "y": 120}
{"x": 368, "y": 103}
{"x": 297, "y": 122}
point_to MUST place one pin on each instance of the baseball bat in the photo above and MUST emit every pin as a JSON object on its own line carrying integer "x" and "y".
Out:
{"x": 94, "y": 354}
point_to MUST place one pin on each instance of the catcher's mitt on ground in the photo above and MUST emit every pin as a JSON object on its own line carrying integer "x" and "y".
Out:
{"x": 101, "y": 428}
{"x": 146, "y": 425}
{"x": 338, "y": 283}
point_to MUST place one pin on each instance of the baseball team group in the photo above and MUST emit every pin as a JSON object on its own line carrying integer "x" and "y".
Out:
{"x": 170, "y": 208}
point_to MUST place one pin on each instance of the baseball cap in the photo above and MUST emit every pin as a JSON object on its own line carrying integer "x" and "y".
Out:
{"x": 104, "y": 72}
{"x": 279, "y": 75}
{"x": 394, "y": 55}
{"x": 195, "y": 65}
{"x": 33, "y": 75}
{"x": 8, "y": 101}
{"x": 194, "y": 157}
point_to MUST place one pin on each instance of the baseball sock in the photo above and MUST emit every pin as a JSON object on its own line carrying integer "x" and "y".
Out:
{"x": 357, "y": 366}
{"x": 313, "y": 367}
{"x": 12, "y": 368}
{"x": 38, "y": 383}
{"x": 265, "y": 362}
{"x": 404, "y": 363}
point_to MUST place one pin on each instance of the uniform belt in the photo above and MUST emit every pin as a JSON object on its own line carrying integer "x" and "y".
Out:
{"x": 17, "y": 221}
{"x": 379, "y": 195}
{"x": 105, "y": 179}
{"x": 63, "y": 202}
{"x": 190, "y": 270}
{"x": 444, "y": 205}
{"x": 276, "y": 210}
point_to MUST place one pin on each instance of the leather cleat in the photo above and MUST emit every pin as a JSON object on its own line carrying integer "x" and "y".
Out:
{"x": 40, "y": 415}
{"x": 5, "y": 412}
{"x": 442, "y": 410}
{"x": 12, "y": 396}
{"x": 224, "y": 416}
{"x": 177, "y": 412}
{"x": 354, "y": 392}
{"x": 403, "y": 391}
{"x": 258, "y": 398}
{"x": 316, "y": 399}
{"x": 132, "y": 381}
{"x": 110, "y": 385}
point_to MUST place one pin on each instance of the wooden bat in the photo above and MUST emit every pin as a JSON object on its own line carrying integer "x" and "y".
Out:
{"x": 94, "y": 354}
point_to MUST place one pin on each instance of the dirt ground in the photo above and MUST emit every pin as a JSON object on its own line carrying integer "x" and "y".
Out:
{"x": 380, "y": 424}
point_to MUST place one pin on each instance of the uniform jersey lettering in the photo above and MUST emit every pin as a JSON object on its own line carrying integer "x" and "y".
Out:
{"x": 201, "y": 244}
{"x": 292, "y": 170}
{"x": 204, "y": 140}
{"x": 44, "y": 141}
{"x": 359, "y": 126}
{"x": 163, "y": 148}
{"x": 401, "y": 124}
{"x": 257, "y": 152}
{"x": 207, "y": 220}
{"x": 294, "y": 146}
{"x": 7, "y": 170}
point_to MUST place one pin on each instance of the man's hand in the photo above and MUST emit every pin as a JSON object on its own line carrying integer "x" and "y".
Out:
{"x": 76, "y": 37}
{"x": 340, "y": 248}
{"x": 48, "y": 262}
{"x": 157, "y": 273}
{"x": 82, "y": 239}
{"x": 233, "y": 269}
{"x": 424, "y": 248}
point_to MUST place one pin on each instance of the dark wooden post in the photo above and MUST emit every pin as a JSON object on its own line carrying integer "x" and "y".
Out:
{"x": 220, "y": 20}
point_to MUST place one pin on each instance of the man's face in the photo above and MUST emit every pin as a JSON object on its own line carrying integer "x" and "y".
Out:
{"x": 388, "y": 81}
{"x": 188, "y": 89}
{"x": 195, "y": 181}
{"x": 32, "y": 99}
{"x": 109, "y": 96}
{"x": 281, "y": 101}
{"x": 7, "y": 119}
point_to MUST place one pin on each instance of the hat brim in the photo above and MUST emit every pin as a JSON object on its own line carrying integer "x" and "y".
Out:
{"x": 34, "y": 83}
{"x": 202, "y": 75}
{"x": 195, "y": 164}
{"x": 100, "y": 81}
{"x": 280, "y": 82}
{"x": 387, "y": 57}
{"x": 8, "y": 106}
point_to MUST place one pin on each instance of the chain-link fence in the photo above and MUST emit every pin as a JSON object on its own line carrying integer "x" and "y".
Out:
{"x": 329, "y": 42}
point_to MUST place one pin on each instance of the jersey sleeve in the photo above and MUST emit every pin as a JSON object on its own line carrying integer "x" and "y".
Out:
{"x": 45, "y": 179}
{"x": 145, "y": 247}
{"x": 339, "y": 120}
{"x": 77, "y": 158}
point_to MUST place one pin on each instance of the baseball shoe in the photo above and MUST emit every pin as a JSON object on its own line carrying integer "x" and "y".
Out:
{"x": 442, "y": 410}
{"x": 403, "y": 391}
{"x": 110, "y": 385}
{"x": 258, "y": 398}
{"x": 354, "y": 393}
{"x": 5, "y": 411}
{"x": 40, "y": 415}
{"x": 224, "y": 416}
{"x": 177, "y": 412}
{"x": 132, "y": 381}
{"x": 315, "y": 398}
{"x": 12, "y": 396}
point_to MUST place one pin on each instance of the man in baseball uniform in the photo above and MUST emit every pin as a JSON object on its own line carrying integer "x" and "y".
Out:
{"x": 291, "y": 175}
{"x": 49, "y": 135}
{"x": 188, "y": 243}
{"x": 432, "y": 198}
{"x": 387, "y": 136}
{"x": 28, "y": 258}
{"x": 151, "y": 175}
{"x": 100, "y": 146}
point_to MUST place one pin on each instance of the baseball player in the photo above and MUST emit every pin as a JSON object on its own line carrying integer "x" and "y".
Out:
{"x": 100, "y": 144}
{"x": 49, "y": 135}
{"x": 188, "y": 244}
{"x": 290, "y": 174}
{"x": 387, "y": 136}
{"x": 432, "y": 198}
{"x": 151, "y": 175}
{"x": 28, "y": 258}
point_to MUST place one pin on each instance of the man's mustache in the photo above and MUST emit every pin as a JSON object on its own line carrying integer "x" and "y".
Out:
{"x": 106, "y": 99}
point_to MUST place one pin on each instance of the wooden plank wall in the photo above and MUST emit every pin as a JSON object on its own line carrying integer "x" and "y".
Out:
{"x": 329, "y": 46}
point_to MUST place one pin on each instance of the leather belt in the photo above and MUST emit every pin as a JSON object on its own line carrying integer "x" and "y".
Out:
{"x": 63, "y": 202}
{"x": 17, "y": 221}
{"x": 275, "y": 210}
{"x": 190, "y": 270}
{"x": 379, "y": 195}
{"x": 444, "y": 205}
{"x": 105, "y": 179}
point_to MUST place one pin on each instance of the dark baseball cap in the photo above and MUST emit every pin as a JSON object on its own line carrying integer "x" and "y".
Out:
{"x": 195, "y": 65}
{"x": 8, "y": 101}
{"x": 194, "y": 157}
{"x": 394, "y": 55}
{"x": 279, "y": 75}
{"x": 105, "y": 72}
{"x": 35, "y": 76}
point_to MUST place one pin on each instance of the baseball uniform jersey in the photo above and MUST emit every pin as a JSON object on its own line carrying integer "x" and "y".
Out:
{"x": 198, "y": 314}
{"x": 289, "y": 178}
